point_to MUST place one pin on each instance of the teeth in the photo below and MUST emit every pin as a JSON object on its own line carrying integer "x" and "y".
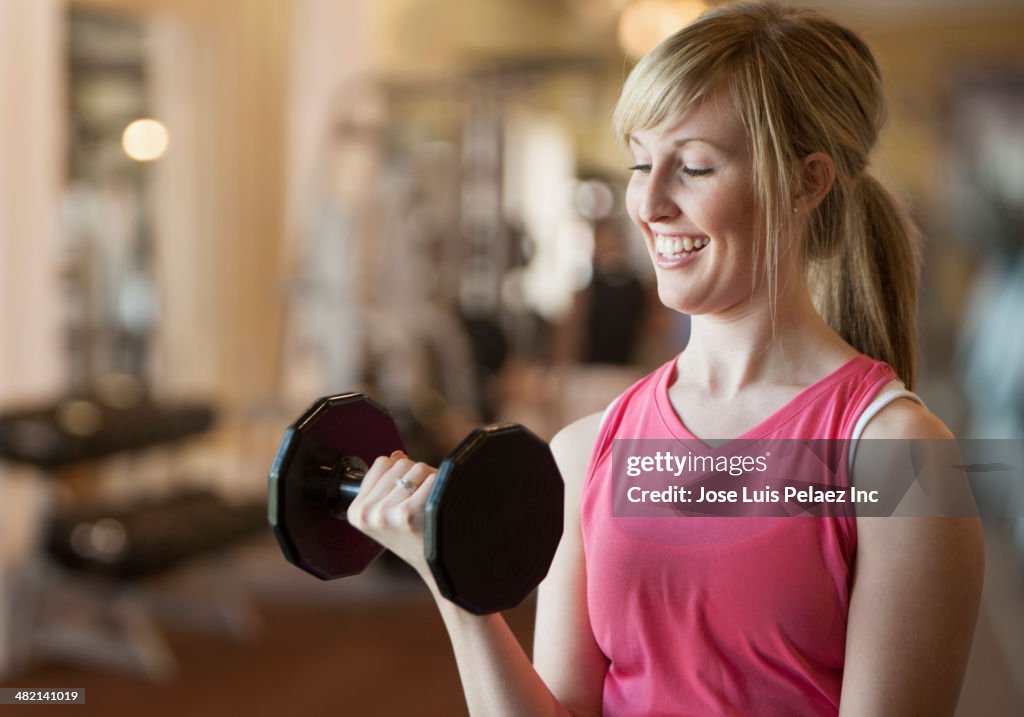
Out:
{"x": 675, "y": 247}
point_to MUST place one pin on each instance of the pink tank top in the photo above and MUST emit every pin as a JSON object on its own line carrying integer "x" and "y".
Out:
{"x": 722, "y": 616}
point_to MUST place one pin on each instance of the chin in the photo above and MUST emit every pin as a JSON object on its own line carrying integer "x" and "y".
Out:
{"x": 681, "y": 300}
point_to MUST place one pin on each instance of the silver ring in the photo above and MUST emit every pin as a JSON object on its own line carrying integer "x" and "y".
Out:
{"x": 407, "y": 484}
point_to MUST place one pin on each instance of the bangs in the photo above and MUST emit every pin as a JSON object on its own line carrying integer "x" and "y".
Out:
{"x": 669, "y": 80}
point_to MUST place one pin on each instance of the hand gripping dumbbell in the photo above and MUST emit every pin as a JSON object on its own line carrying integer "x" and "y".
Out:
{"x": 493, "y": 518}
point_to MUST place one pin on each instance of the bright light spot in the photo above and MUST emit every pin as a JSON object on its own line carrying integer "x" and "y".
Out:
{"x": 145, "y": 140}
{"x": 644, "y": 24}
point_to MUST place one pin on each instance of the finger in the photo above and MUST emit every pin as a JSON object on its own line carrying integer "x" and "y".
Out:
{"x": 409, "y": 513}
{"x": 418, "y": 500}
{"x": 386, "y": 484}
{"x": 407, "y": 484}
{"x": 378, "y": 482}
{"x": 385, "y": 464}
{"x": 373, "y": 476}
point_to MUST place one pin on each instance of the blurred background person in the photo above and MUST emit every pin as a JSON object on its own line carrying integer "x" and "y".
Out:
{"x": 600, "y": 344}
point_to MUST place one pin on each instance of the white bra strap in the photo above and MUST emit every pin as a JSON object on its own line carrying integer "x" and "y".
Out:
{"x": 883, "y": 399}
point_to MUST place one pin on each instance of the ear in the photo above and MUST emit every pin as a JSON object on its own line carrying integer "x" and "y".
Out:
{"x": 817, "y": 177}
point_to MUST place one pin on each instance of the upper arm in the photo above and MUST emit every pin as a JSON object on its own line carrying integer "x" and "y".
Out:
{"x": 915, "y": 597}
{"x": 565, "y": 653}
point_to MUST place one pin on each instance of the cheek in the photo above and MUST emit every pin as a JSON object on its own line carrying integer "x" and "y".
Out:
{"x": 728, "y": 213}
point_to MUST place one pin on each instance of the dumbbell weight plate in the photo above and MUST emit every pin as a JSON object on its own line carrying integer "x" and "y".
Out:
{"x": 494, "y": 518}
{"x": 309, "y": 534}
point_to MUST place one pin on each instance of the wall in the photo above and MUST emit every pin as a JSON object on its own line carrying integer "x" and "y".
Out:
{"x": 31, "y": 174}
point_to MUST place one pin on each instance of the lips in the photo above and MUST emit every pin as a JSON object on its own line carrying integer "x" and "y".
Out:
{"x": 665, "y": 263}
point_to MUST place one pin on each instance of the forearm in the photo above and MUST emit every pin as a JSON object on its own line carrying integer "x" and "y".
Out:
{"x": 497, "y": 676}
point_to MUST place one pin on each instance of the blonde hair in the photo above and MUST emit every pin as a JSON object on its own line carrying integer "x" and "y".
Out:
{"x": 800, "y": 83}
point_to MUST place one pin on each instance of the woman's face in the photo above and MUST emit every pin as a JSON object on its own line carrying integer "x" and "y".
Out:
{"x": 692, "y": 196}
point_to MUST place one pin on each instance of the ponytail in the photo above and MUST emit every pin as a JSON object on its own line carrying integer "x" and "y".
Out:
{"x": 867, "y": 289}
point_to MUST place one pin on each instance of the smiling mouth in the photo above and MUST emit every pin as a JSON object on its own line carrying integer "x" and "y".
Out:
{"x": 675, "y": 247}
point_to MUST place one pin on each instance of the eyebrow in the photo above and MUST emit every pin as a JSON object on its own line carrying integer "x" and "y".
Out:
{"x": 680, "y": 142}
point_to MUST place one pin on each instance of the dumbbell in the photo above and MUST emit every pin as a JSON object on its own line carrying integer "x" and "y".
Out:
{"x": 492, "y": 522}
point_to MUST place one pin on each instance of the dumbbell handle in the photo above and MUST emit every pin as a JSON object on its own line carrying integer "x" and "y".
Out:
{"x": 337, "y": 485}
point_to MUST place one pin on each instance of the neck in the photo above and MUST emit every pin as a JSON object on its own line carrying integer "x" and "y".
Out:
{"x": 732, "y": 350}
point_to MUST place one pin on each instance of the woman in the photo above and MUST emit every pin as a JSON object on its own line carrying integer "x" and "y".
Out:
{"x": 750, "y": 131}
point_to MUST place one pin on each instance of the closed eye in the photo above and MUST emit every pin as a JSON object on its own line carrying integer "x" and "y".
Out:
{"x": 689, "y": 171}
{"x": 697, "y": 172}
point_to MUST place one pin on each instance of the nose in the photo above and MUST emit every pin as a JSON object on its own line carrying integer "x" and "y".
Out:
{"x": 656, "y": 201}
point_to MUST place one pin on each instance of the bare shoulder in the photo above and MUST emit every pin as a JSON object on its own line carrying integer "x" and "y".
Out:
{"x": 905, "y": 418}
{"x": 910, "y": 456}
{"x": 572, "y": 447}
{"x": 584, "y": 429}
